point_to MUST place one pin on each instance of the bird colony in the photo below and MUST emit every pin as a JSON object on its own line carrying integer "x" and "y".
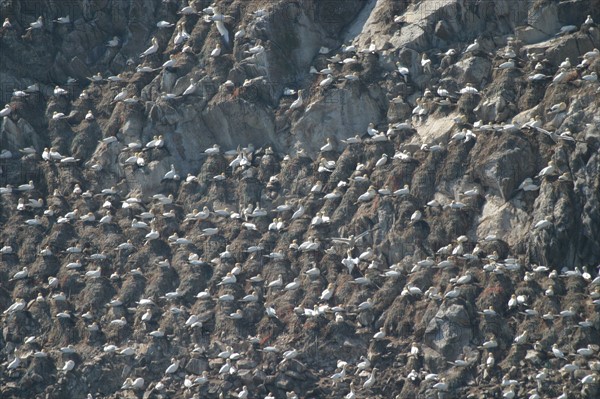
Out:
{"x": 355, "y": 266}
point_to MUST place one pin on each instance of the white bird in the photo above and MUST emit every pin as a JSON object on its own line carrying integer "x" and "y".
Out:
{"x": 557, "y": 352}
{"x": 588, "y": 379}
{"x": 337, "y": 377}
{"x": 20, "y": 275}
{"x": 172, "y": 367}
{"x": 542, "y": 224}
{"x": 216, "y": 51}
{"x": 243, "y": 394}
{"x": 138, "y": 383}
{"x": 164, "y": 24}
{"x": 521, "y": 339}
{"x": 549, "y": 170}
{"x": 380, "y": 334}
{"x": 38, "y": 24}
{"x": 472, "y": 47}
{"x": 382, "y": 161}
{"x": 63, "y": 20}
{"x": 293, "y": 285}
{"x": 298, "y": 213}
{"x": 368, "y": 195}
{"x": 6, "y": 110}
{"x": 150, "y": 50}
{"x": 557, "y": 108}
{"x": 14, "y": 363}
{"x": 416, "y": 216}
{"x": 171, "y": 174}
{"x": 371, "y": 380}
{"x": 69, "y": 365}
{"x": 441, "y": 386}
{"x": 507, "y": 65}
{"x": 469, "y": 89}
{"x": 592, "y": 77}
{"x": 327, "y": 81}
{"x": 298, "y": 102}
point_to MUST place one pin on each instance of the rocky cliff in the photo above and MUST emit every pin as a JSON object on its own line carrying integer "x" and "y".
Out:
{"x": 337, "y": 198}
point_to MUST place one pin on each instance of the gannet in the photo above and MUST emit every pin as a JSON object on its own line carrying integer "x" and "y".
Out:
{"x": 68, "y": 366}
{"x": 327, "y": 81}
{"x": 549, "y": 170}
{"x": 120, "y": 96}
{"x": 256, "y": 49}
{"x": 587, "y": 351}
{"x": 566, "y": 29}
{"x": 560, "y": 76}
{"x": 152, "y": 49}
{"x": 6, "y": 250}
{"x": 38, "y": 24}
{"x": 527, "y": 185}
{"x": 591, "y": 55}
{"x": 293, "y": 285}
{"x": 592, "y": 77}
{"x": 6, "y": 110}
{"x": 164, "y": 24}
{"x": 380, "y": 334}
{"x": 566, "y": 64}
{"x": 15, "y": 363}
{"x": 337, "y": 377}
{"x": 237, "y": 315}
{"x": 469, "y": 89}
{"x": 173, "y": 367}
{"x": 567, "y": 313}
{"x": 371, "y": 380}
{"x": 368, "y": 195}
{"x": 521, "y": 339}
{"x": 63, "y": 20}
{"x": 589, "y": 379}
{"x": 276, "y": 283}
{"x": 216, "y": 51}
{"x": 17, "y": 306}
{"x": 171, "y": 174}
{"x": 556, "y": 108}
{"x": 170, "y": 62}
{"x": 270, "y": 311}
{"x": 472, "y": 47}
{"x": 537, "y": 77}
{"x": 34, "y": 222}
{"x": 114, "y": 42}
{"x": 243, "y": 394}
{"x": 382, "y": 161}
{"x": 298, "y": 102}
{"x": 416, "y": 216}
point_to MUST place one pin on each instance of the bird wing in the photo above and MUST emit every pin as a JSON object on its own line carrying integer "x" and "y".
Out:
{"x": 223, "y": 30}
{"x": 364, "y": 233}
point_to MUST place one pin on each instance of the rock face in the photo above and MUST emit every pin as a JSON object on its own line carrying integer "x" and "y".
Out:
{"x": 449, "y": 331}
{"x": 248, "y": 193}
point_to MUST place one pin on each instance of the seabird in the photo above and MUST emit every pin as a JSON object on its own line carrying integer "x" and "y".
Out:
{"x": 38, "y": 24}
{"x": 63, "y": 20}
{"x": 164, "y": 24}
{"x": 150, "y": 50}
{"x": 114, "y": 42}
{"x": 472, "y": 47}
{"x": 216, "y": 51}
{"x": 172, "y": 367}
